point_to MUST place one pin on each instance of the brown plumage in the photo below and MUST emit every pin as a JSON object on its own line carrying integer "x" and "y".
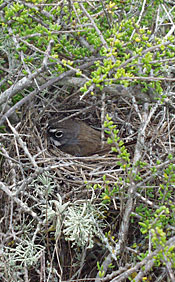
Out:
{"x": 75, "y": 137}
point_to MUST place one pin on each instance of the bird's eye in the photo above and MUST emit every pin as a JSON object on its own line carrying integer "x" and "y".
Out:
{"x": 58, "y": 134}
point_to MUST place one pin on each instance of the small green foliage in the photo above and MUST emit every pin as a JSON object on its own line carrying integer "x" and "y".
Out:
{"x": 78, "y": 73}
{"x": 16, "y": 98}
{"x": 141, "y": 164}
{"x": 2, "y": 129}
{"x": 158, "y": 220}
{"x": 114, "y": 139}
{"x": 97, "y": 186}
{"x": 100, "y": 269}
{"x": 170, "y": 156}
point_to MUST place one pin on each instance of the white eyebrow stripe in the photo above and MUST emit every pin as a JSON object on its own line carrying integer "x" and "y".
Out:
{"x": 52, "y": 130}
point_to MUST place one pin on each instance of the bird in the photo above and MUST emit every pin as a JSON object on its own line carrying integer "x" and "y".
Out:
{"x": 75, "y": 137}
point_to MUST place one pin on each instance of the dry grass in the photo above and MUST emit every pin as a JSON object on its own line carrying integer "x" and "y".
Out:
{"x": 27, "y": 198}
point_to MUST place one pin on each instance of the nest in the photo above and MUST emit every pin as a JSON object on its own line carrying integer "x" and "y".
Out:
{"x": 48, "y": 192}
